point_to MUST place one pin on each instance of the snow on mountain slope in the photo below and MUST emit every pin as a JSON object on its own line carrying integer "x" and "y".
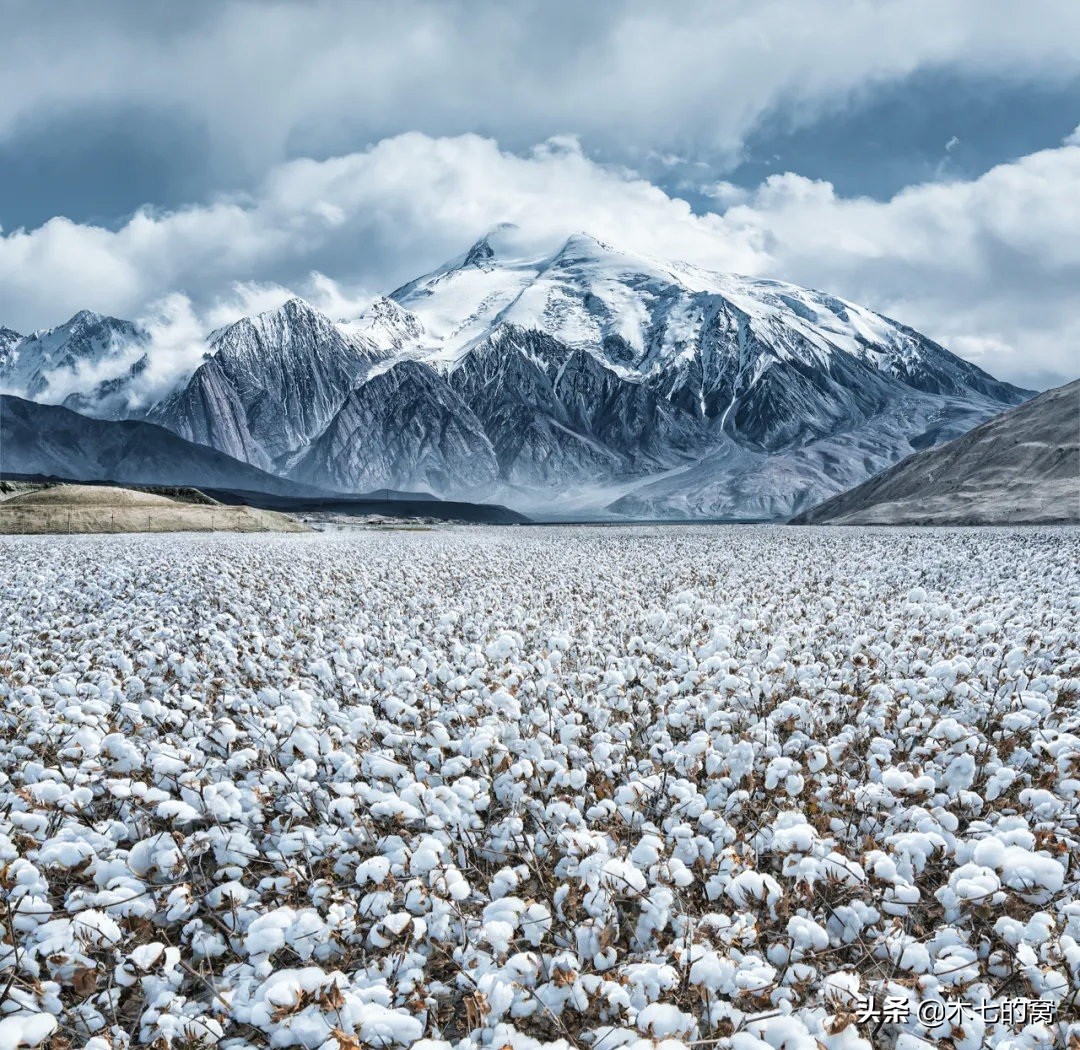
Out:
{"x": 8, "y": 339}
{"x": 594, "y": 369}
{"x": 88, "y": 363}
{"x": 459, "y": 302}
{"x": 404, "y": 424}
{"x": 641, "y": 316}
{"x": 272, "y": 383}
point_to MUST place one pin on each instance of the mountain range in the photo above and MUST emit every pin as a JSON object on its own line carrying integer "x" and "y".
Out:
{"x": 583, "y": 381}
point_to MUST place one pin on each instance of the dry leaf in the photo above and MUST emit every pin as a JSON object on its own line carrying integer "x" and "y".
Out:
{"x": 476, "y": 1009}
{"x": 346, "y": 1041}
{"x": 84, "y": 981}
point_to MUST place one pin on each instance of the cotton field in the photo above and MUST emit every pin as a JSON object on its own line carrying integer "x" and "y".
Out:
{"x": 735, "y": 787}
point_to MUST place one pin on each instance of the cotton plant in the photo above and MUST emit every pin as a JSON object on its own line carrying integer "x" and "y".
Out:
{"x": 558, "y": 787}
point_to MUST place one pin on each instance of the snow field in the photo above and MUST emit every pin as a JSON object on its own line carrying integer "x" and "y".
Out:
{"x": 603, "y": 787}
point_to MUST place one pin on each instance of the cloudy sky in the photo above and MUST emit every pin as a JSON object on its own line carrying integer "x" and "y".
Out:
{"x": 196, "y": 161}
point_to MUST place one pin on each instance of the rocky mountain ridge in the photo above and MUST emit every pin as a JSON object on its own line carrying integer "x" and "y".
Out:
{"x": 581, "y": 381}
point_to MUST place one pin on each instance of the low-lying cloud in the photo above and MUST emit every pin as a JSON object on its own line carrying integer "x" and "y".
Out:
{"x": 989, "y": 267}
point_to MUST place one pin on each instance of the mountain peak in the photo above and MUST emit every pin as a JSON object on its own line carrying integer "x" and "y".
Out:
{"x": 294, "y": 311}
{"x": 8, "y": 338}
{"x": 296, "y": 307}
{"x": 582, "y": 242}
{"x": 485, "y": 252}
{"x": 279, "y": 330}
{"x": 480, "y": 254}
{"x": 384, "y": 324}
{"x": 591, "y": 370}
{"x": 385, "y": 311}
{"x": 84, "y": 318}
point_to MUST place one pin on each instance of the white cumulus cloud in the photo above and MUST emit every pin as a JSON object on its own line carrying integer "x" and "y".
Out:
{"x": 988, "y": 266}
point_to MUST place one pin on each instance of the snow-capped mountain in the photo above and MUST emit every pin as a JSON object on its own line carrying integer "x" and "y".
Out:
{"x": 385, "y": 326}
{"x": 600, "y": 375}
{"x": 641, "y": 316}
{"x": 271, "y": 384}
{"x": 404, "y": 422}
{"x": 583, "y": 380}
{"x": 87, "y": 364}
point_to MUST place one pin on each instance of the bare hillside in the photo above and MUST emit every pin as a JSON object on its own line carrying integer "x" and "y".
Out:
{"x": 1021, "y": 467}
{"x": 99, "y": 508}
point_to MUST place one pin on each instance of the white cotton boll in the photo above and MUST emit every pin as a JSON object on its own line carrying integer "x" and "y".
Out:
{"x": 751, "y": 886}
{"x": 267, "y": 934}
{"x": 792, "y": 833}
{"x": 147, "y": 956}
{"x": 499, "y": 934}
{"x": 26, "y": 1030}
{"x": 451, "y": 883}
{"x": 807, "y": 935}
{"x": 679, "y": 874}
{"x": 30, "y": 912}
{"x": 840, "y": 988}
{"x": 621, "y": 875}
{"x": 1020, "y": 869}
{"x": 54, "y": 854}
{"x": 914, "y": 957}
{"x": 1015, "y": 658}
{"x": 180, "y": 905}
{"x": 390, "y": 929}
{"x": 1010, "y": 930}
{"x": 535, "y": 923}
{"x": 96, "y": 929}
{"x": 660, "y": 1020}
{"x": 503, "y": 647}
{"x": 957, "y": 966}
{"x": 505, "y": 704}
{"x": 960, "y": 773}
{"x": 306, "y": 933}
{"x": 777, "y": 770}
{"x": 372, "y": 871}
{"x": 899, "y": 899}
{"x": 500, "y": 995}
{"x": 1041, "y": 926}
{"x": 647, "y": 851}
{"x": 157, "y": 857}
{"x": 1043, "y": 804}
{"x": 503, "y": 882}
{"x": 426, "y": 857}
{"x": 605, "y": 959}
{"x": 754, "y": 974}
{"x": 896, "y": 780}
{"x": 843, "y": 869}
{"x": 177, "y": 813}
{"x": 998, "y": 783}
